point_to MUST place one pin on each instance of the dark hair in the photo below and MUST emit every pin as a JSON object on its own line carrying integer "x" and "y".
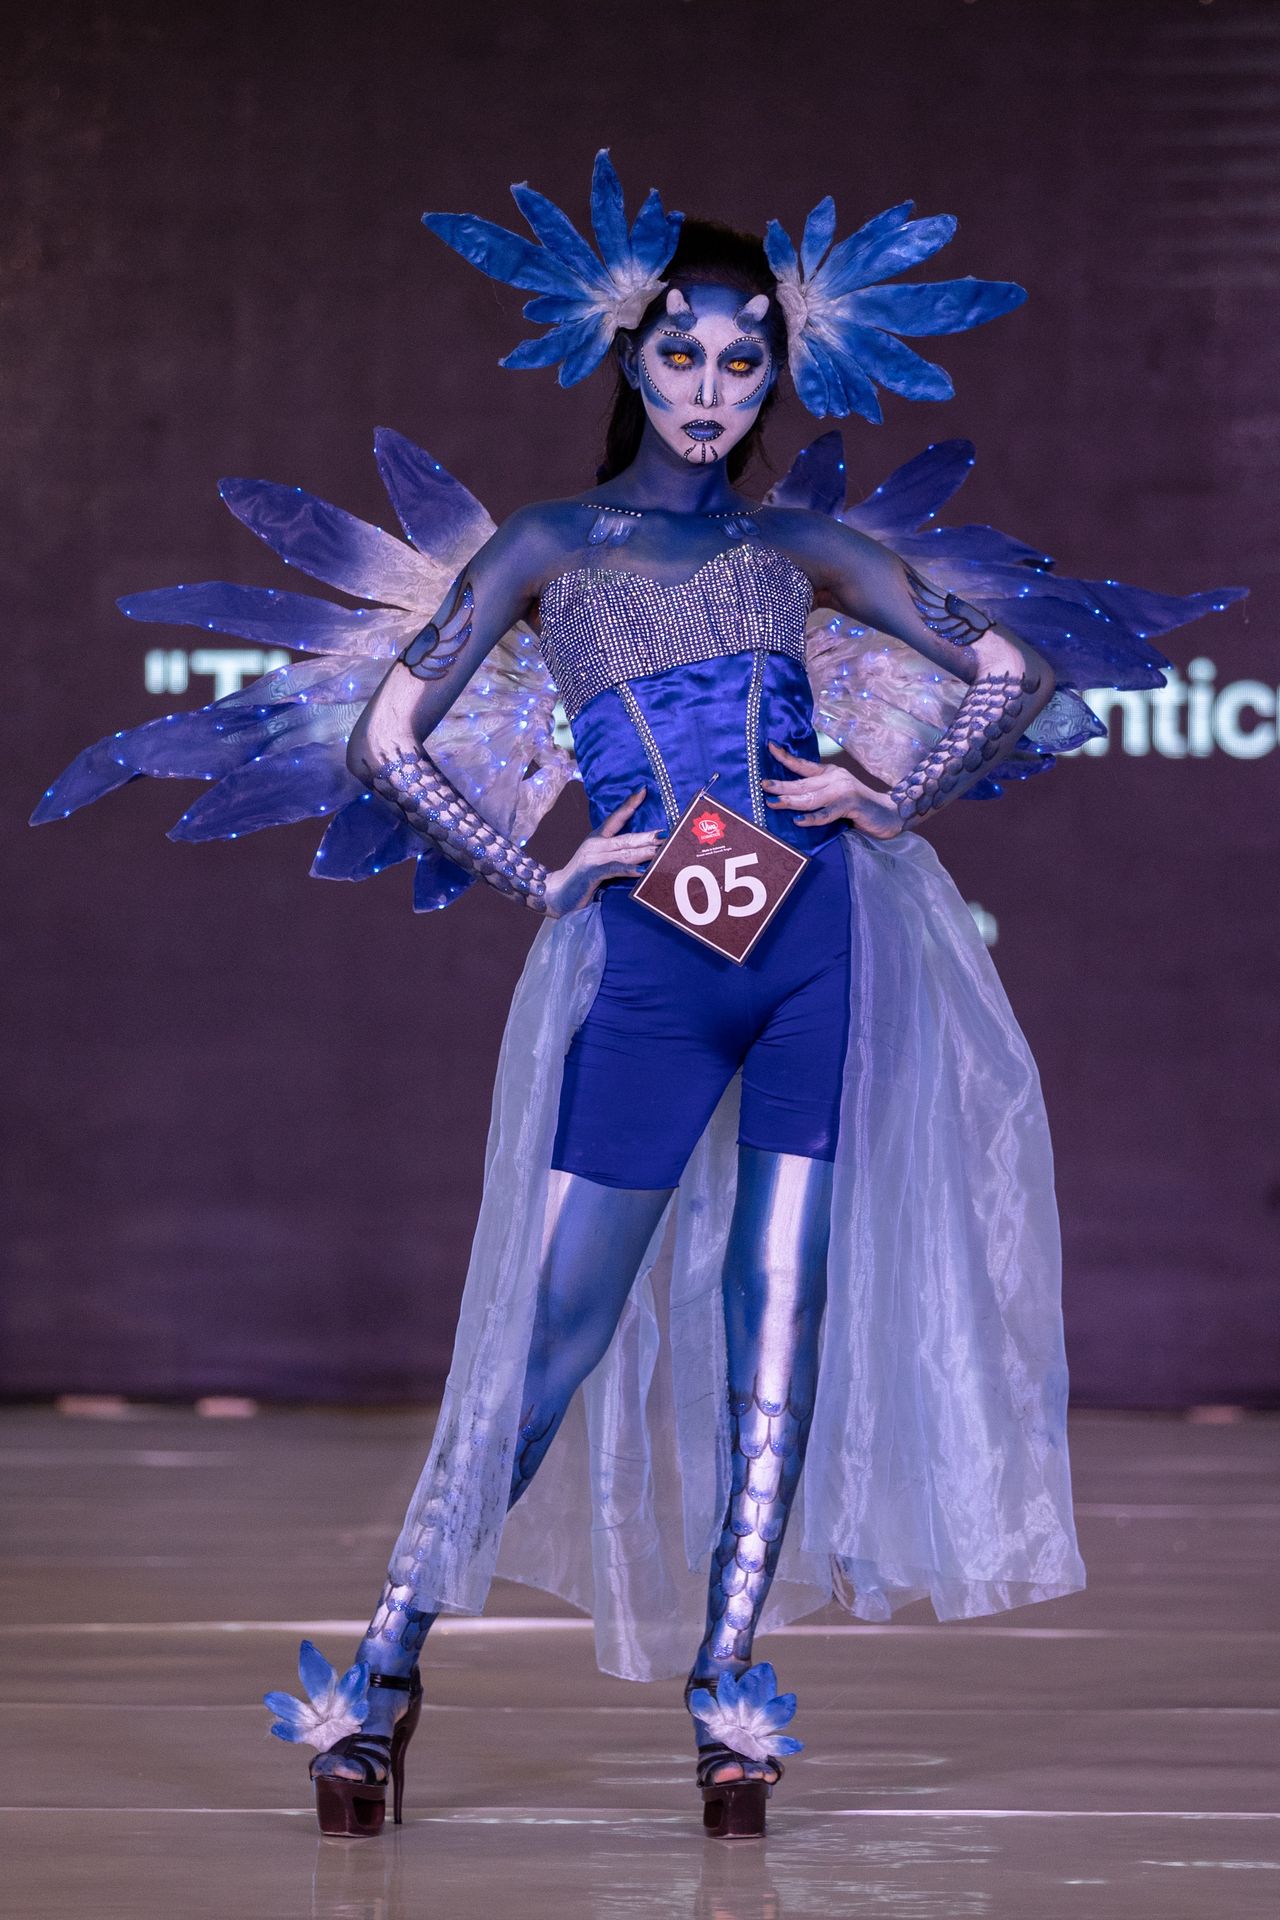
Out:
{"x": 706, "y": 254}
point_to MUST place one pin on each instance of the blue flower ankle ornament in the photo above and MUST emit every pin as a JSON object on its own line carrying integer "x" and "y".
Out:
{"x": 333, "y": 1709}
{"x": 740, "y": 1725}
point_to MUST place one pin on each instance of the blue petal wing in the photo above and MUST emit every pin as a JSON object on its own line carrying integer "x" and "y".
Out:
{"x": 363, "y": 838}
{"x": 296, "y": 783}
{"x": 299, "y": 621}
{"x": 986, "y": 546}
{"x": 329, "y": 543}
{"x": 815, "y": 479}
{"x": 1149, "y": 612}
{"x": 914, "y": 492}
{"x": 202, "y": 745}
{"x": 436, "y": 511}
{"x": 1084, "y": 648}
{"x": 437, "y": 882}
{"x": 497, "y": 251}
{"x": 95, "y": 771}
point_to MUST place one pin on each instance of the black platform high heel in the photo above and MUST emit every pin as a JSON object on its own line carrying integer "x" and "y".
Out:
{"x": 731, "y": 1809}
{"x": 356, "y": 1809}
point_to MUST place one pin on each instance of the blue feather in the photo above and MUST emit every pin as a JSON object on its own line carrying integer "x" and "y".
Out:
{"x": 558, "y": 235}
{"x": 548, "y": 348}
{"x": 1157, "y": 612}
{"x": 352, "y": 1692}
{"x": 586, "y": 356}
{"x": 866, "y": 257}
{"x": 497, "y": 251}
{"x": 1083, "y": 648}
{"x": 897, "y": 367}
{"x": 849, "y": 390}
{"x": 551, "y": 308}
{"x": 758, "y": 1685}
{"x": 654, "y": 235}
{"x": 943, "y": 306}
{"x": 819, "y": 232}
{"x": 985, "y": 547}
{"x": 779, "y": 250}
{"x": 608, "y": 213}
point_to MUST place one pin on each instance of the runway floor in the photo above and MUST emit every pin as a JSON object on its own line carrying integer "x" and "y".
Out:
{"x": 1111, "y": 1755}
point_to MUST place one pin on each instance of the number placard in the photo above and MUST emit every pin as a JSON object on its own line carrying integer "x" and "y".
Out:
{"x": 720, "y": 877}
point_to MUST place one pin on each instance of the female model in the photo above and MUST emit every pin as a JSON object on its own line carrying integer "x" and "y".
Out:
{"x": 797, "y": 1205}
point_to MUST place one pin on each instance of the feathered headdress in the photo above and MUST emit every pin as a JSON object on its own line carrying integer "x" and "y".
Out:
{"x": 843, "y": 324}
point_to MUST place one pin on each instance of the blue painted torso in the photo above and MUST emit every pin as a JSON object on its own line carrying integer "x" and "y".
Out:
{"x": 666, "y": 686}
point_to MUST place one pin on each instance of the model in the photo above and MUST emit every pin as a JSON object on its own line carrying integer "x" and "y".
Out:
{"x": 751, "y": 1211}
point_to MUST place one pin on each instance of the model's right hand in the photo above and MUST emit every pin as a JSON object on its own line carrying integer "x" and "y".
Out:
{"x": 602, "y": 856}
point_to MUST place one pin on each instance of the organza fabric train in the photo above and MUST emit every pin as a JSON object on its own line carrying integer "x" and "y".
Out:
{"x": 937, "y": 1464}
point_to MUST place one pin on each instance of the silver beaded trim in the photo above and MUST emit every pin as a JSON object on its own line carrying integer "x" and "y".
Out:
{"x": 753, "y": 738}
{"x": 653, "y": 753}
{"x": 602, "y": 626}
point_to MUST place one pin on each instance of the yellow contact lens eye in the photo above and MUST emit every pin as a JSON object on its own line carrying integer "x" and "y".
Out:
{"x": 681, "y": 359}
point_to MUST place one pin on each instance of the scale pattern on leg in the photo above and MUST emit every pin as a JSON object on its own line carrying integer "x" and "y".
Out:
{"x": 767, "y": 1440}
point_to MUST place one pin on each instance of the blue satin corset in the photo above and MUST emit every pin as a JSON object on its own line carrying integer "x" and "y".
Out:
{"x": 665, "y": 686}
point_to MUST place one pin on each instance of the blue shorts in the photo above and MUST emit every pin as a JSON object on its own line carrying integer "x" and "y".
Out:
{"x": 673, "y": 1022}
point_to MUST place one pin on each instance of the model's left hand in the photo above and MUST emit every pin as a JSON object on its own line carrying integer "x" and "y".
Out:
{"x": 826, "y": 793}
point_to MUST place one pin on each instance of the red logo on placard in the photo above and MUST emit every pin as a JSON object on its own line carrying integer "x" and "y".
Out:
{"x": 708, "y": 827}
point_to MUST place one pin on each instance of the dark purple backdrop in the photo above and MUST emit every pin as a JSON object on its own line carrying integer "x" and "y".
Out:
{"x": 249, "y": 1109}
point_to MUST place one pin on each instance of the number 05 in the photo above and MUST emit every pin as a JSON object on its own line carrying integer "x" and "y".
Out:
{"x": 735, "y": 881}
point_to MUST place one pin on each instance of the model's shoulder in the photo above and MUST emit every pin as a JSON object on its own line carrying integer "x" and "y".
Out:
{"x": 801, "y": 527}
{"x": 811, "y": 539}
{"x": 545, "y": 530}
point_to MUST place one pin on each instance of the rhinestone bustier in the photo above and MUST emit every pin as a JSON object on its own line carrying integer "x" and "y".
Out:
{"x": 603, "y": 626}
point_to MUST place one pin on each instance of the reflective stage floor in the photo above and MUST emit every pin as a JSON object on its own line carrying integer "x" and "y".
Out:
{"x": 1112, "y": 1755}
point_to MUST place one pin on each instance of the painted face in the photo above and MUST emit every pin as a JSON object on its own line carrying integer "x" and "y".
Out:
{"x": 703, "y": 370}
